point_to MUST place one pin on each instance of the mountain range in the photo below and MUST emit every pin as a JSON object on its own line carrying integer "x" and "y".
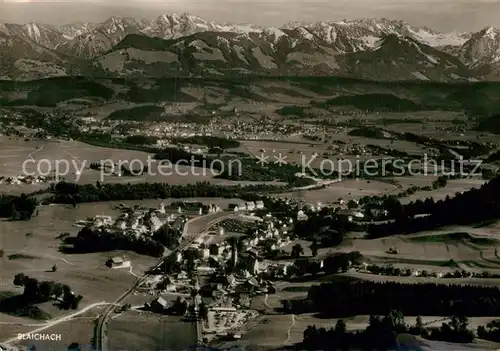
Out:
{"x": 187, "y": 45}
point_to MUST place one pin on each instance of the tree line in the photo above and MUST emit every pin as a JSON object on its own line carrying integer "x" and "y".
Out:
{"x": 42, "y": 291}
{"x": 98, "y": 240}
{"x": 382, "y": 334}
{"x": 347, "y": 297}
{"x": 246, "y": 169}
{"x": 71, "y": 193}
{"x": 473, "y": 206}
{"x": 332, "y": 264}
{"x": 20, "y": 207}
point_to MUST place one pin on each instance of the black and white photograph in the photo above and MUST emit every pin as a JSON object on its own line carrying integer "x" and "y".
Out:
{"x": 239, "y": 175}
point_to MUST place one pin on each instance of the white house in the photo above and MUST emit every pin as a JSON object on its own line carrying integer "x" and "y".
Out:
{"x": 259, "y": 204}
{"x": 301, "y": 216}
{"x": 250, "y": 205}
{"x": 204, "y": 254}
{"x": 178, "y": 257}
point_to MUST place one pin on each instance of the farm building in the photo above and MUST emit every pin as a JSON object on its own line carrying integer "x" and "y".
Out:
{"x": 259, "y": 204}
{"x": 350, "y": 214}
{"x": 188, "y": 207}
{"x": 118, "y": 262}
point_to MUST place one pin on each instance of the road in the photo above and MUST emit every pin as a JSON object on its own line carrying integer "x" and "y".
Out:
{"x": 189, "y": 237}
{"x": 61, "y": 320}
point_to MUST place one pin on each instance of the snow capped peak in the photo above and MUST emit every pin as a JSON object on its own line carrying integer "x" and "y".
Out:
{"x": 482, "y": 48}
{"x": 275, "y": 32}
{"x": 33, "y": 31}
{"x": 294, "y": 24}
{"x": 490, "y": 32}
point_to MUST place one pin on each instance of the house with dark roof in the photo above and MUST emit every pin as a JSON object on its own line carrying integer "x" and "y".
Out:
{"x": 118, "y": 262}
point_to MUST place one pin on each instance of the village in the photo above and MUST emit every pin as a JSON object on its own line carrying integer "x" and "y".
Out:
{"x": 216, "y": 275}
{"x": 218, "y": 272}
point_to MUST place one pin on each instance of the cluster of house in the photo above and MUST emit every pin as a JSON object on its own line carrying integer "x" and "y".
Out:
{"x": 25, "y": 179}
{"x": 135, "y": 222}
{"x": 195, "y": 149}
{"x": 194, "y": 208}
{"x": 246, "y": 206}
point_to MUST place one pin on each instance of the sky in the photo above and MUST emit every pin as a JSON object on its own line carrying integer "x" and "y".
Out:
{"x": 444, "y": 15}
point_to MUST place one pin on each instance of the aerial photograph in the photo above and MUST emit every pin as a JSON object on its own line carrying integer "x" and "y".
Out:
{"x": 249, "y": 175}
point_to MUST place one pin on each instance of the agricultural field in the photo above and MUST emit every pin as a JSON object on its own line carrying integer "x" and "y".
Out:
{"x": 306, "y": 153}
{"x": 40, "y": 158}
{"x": 79, "y": 330}
{"x": 347, "y": 190}
{"x": 452, "y": 187}
{"x": 273, "y": 330}
{"x": 32, "y": 248}
{"x": 148, "y": 331}
{"x": 473, "y": 249}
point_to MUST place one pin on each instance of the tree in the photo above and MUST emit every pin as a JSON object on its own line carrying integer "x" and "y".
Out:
{"x": 419, "y": 324}
{"x": 15, "y": 215}
{"x": 57, "y": 290}
{"x": 297, "y": 250}
{"x": 314, "y": 248}
{"x": 352, "y": 204}
{"x": 45, "y": 291}
{"x": 31, "y": 289}
{"x": 194, "y": 293}
{"x": 203, "y": 311}
{"x": 190, "y": 266}
{"x": 54, "y": 268}
{"x": 340, "y": 327}
{"x": 19, "y": 279}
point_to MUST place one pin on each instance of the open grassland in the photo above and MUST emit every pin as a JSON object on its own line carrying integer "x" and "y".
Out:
{"x": 80, "y": 330}
{"x": 452, "y": 187}
{"x": 135, "y": 330}
{"x": 274, "y": 329}
{"x": 473, "y": 249}
{"x": 32, "y": 248}
{"x": 351, "y": 189}
{"x": 409, "y": 147}
{"x": 346, "y": 189}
